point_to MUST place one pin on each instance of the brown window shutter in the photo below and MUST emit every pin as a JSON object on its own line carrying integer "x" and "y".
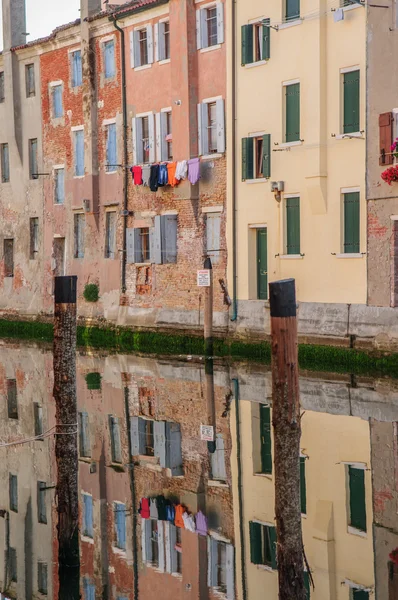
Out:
{"x": 385, "y": 130}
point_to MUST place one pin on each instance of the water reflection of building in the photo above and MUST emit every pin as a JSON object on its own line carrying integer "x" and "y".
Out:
{"x": 162, "y": 404}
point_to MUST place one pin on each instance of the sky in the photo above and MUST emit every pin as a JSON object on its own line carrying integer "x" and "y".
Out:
{"x": 44, "y": 15}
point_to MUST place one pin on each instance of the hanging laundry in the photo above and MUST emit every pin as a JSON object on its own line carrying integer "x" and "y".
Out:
{"x": 163, "y": 178}
{"x": 153, "y": 509}
{"x": 201, "y": 523}
{"x": 193, "y": 170}
{"x": 179, "y": 521}
{"x": 144, "y": 508}
{"x": 161, "y": 506}
{"x": 136, "y": 173}
{"x": 153, "y": 179}
{"x": 146, "y": 173}
{"x": 171, "y": 169}
{"x": 170, "y": 513}
{"x": 181, "y": 170}
{"x": 189, "y": 522}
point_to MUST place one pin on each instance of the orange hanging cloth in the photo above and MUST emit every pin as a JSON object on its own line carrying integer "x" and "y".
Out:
{"x": 179, "y": 521}
{"x": 171, "y": 171}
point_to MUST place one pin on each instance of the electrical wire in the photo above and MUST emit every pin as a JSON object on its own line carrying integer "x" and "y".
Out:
{"x": 42, "y": 436}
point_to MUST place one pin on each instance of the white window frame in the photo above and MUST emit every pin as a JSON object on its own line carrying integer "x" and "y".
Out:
{"x": 135, "y": 54}
{"x": 211, "y": 565}
{"x": 135, "y": 127}
{"x": 201, "y": 26}
{"x": 159, "y": 47}
{"x": 203, "y": 146}
{"x": 160, "y": 130}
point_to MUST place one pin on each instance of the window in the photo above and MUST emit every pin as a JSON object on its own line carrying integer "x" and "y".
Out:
{"x": 109, "y": 59}
{"x": 110, "y": 234}
{"x": 38, "y": 419}
{"x": 256, "y": 157}
{"x": 155, "y": 527}
{"x": 158, "y": 438}
{"x": 144, "y": 139}
{"x": 59, "y": 187}
{"x": 292, "y": 10}
{"x": 156, "y": 244}
{"x": 33, "y": 170}
{"x": 213, "y": 225}
{"x": 88, "y": 528}
{"x": 359, "y": 594}
{"x": 262, "y": 544}
{"x": 30, "y": 80}
{"x": 255, "y": 42}
{"x": 265, "y": 439}
{"x": 293, "y": 226}
{"x": 303, "y": 487}
{"x": 111, "y": 148}
{"x": 2, "y": 94}
{"x": 119, "y": 511}
{"x": 84, "y": 435}
{"x": 79, "y": 152}
{"x": 292, "y": 112}
{"x": 164, "y": 136}
{"x": 88, "y": 589}
{"x": 116, "y": 449}
{"x": 5, "y": 163}
{"x": 169, "y": 136}
{"x": 34, "y": 237}
{"x": 13, "y": 570}
{"x": 221, "y": 566}
{"x": 12, "y": 402}
{"x": 210, "y": 26}
{"x": 9, "y": 258}
{"x": 351, "y": 223}
{"x": 13, "y": 492}
{"x": 165, "y": 45}
{"x": 211, "y": 127}
{"x": 218, "y": 471}
{"x": 357, "y": 499}
{"x": 141, "y": 44}
{"x": 42, "y": 578}
{"x": 58, "y": 109}
{"x": 307, "y": 584}
{"x": 79, "y": 231}
{"x": 41, "y": 502}
{"x": 178, "y": 550}
{"x": 77, "y": 72}
{"x": 351, "y": 102}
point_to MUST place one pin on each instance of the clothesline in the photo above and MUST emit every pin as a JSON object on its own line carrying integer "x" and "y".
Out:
{"x": 166, "y": 173}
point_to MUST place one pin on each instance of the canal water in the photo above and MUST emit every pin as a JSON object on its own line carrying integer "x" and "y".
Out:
{"x": 160, "y": 516}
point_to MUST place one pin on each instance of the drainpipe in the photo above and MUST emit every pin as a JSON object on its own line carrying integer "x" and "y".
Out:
{"x": 125, "y": 153}
{"x": 234, "y": 166}
{"x": 235, "y": 383}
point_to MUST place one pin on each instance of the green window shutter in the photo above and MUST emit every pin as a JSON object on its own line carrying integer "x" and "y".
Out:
{"x": 247, "y": 158}
{"x": 360, "y": 595}
{"x": 351, "y": 102}
{"x": 255, "y": 543}
{"x": 351, "y": 223}
{"x": 292, "y": 225}
{"x": 265, "y": 432}
{"x": 272, "y": 537}
{"x": 247, "y": 44}
{"x": 267, "y": 155}
{"x": 357, "y": 498}
{"x": 292, "y": 10}
{"x": 303, "y": 491}
{"x": 307, "y": 584}
{"x": 266, "y": 34}
{"x": 292, "y": 107}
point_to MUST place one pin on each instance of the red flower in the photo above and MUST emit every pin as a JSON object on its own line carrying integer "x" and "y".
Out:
{"x": 394, "y": 556}
{"x": 390, "y": 174}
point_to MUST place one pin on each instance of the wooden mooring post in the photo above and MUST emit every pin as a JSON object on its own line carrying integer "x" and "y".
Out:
{"x": 287, "y": 432}
{"x": 67, "y": 495}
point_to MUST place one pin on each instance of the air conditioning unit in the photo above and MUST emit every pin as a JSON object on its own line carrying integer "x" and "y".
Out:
{"x": 86, "y": 205}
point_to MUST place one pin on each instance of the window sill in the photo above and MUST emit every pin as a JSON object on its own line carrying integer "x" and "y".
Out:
{"x": 347, "y": 136}
{"x": 143, "y": 67}
{"x": 165, "y": 61}
{"x": 289, "y": 144}
{"x": 358, "y": 532}
{"x": 266, "y": 568}
{"x": 291, "y": 23}
{"x": 356, "y": 255}
{"x": 350, "y": 7}
{"x": 217, "y": 483}
{"x": 258, "y": 180}
{"x": 85, "y": 459}
{"x": 210, "y": 48}
{"x": 78, "y": 176}
{"x": 107, "y": 172}
{"x": 119, "y": 551}
{"x": 61, "y": 204}
{"x": 212, "y": 156}
{"x": 88, "y": 540}
{"x": 291, "y": 256}
{"x": 258, "y": 63}
{"x": 143, "y": 264}
{"x": 264, "y": 475}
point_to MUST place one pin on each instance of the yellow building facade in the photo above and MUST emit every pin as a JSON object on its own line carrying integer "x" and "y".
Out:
{"x": 297, "y": 193}
{"x": 335, "y": 451}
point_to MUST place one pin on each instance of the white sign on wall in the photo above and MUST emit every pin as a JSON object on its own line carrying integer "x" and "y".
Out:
{"x": 204, "y": 278}
{"x": 207, "y": 433}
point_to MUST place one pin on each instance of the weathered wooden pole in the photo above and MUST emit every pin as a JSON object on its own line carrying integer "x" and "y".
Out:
{"x": 287, "y": 433}
{"x": 208, "y": 308}
{"x": 66, "y": 453}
